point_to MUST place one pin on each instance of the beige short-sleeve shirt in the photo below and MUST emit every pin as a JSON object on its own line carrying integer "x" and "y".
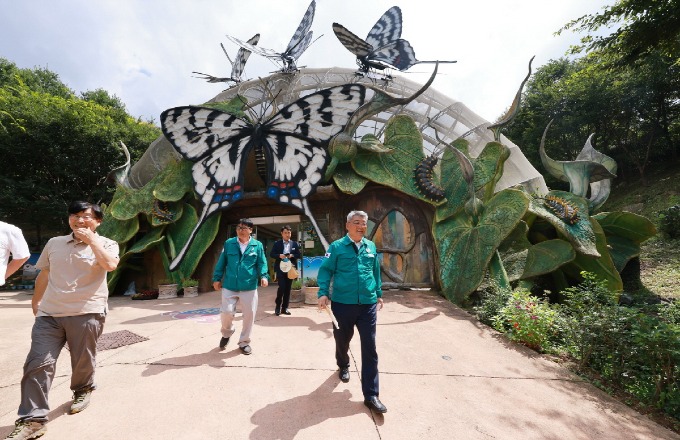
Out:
{"x": 76, "y": 284}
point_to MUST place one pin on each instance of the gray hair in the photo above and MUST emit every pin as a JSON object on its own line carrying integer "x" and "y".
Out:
{"x": 353, "y": 214}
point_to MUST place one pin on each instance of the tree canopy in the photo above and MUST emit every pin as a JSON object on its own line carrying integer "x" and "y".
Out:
{"x": 57, "y": 147}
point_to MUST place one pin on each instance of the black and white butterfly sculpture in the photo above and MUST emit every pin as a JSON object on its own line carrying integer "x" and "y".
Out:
{"x": 294, "y": 140}
{"x": 383, "y": 46}
{"x": 297, "y": 45}
{"x": 237, "y": 65}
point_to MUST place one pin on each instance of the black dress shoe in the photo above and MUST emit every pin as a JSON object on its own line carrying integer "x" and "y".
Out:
{"x": 286, "y": 312}
{"x": 277, "y": 311}
{"x": 246, "y": 349}
{"x": 344, "y": 375}
{"x": 375, "y": 404}
{"x": 224, "y": 342}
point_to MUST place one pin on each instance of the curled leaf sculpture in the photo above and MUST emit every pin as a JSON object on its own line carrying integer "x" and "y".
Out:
{"x": 589, "y": 167}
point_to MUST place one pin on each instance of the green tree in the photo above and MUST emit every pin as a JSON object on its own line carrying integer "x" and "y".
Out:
{"x": 644, "y": 27}
{"x": 57, "y": 147}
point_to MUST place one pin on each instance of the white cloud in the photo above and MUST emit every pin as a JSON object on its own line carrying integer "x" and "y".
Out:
{"x": 145, "y": 50}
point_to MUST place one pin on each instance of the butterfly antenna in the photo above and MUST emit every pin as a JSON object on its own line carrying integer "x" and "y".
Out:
{"x": 227, "y": 54}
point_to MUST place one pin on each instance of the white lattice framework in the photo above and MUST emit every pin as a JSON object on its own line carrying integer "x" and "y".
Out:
{"x": 437, "y": 116}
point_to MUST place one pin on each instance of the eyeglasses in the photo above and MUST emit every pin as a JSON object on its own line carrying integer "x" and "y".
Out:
{"x": 242, "y": 228}
{"x": 86, "y": 217}
{"x": 357, "y": 223}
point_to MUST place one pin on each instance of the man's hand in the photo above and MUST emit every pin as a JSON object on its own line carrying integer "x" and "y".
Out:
{"x": 282, "y": 256}
{"x": 381, "y": 303}
{"x": 217, "y": 285}
{"x": 264, "y": 282}
{"x": 323, "y": 302}
{"x": 85, "y": 235}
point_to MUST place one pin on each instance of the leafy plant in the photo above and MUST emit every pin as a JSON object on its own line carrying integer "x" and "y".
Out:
{"x": 189, "y": 282}
{"x": 165, "y": 281}
{"x": 296, "y": 285}
{"x": 493, "y": 300}
{"x": 527, "y": 319}
{"x": 669, "y": 221}
{"x": 311, "y": 282}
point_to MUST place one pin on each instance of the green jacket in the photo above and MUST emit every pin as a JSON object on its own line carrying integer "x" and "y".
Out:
{"x": 355, "y": 273}
{"x": 241, "y": 272}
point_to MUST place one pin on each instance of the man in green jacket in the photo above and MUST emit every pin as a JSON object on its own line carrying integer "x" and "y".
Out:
{"x": 242, "y": 265}
{"x": 353, "y": 266}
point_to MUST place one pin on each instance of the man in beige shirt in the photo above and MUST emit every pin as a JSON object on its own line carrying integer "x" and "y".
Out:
{"x": 70, "y": 305}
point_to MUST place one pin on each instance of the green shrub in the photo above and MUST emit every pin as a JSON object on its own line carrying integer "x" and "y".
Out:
{"x": 527, "y": 319}
{"x": 493, "y": 299}
{"x": 189, "y": 282}
{"x": 296, "y": 285}
{"x": 669, "y": 221}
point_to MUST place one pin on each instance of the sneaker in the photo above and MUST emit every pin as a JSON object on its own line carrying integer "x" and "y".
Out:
{"x": 81, "y": 400}
{"x": 25, "y": 430}
{"x": 246, "y": 349}
{"x": 223, "y": 342}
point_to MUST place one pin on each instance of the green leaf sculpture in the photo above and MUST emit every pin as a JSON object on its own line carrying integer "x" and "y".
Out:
{"x": 120, "y": 231}
{"x": 579, "y": 173}
{"x": 580, "y": 234}
{"x": 395, "y": 170}
{"x": 546, "y": 257}
{"x": 347, "y": 180}
{"x": 625, "y": 231}
{"x": 171, "y": 183}
{"x": 599, "y": 191}
{"x": 177, "y": 235}
{"x": 603, "y": 267}
{"x": 465, "y": 248}
{"x": 148, "y": 241}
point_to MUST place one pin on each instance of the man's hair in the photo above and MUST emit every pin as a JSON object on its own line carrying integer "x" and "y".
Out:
{"x": 353, "y": 214}
{"x": 247, "y": 222}
{"x": 286, "y": 228}
{"x": 79, "y": 206}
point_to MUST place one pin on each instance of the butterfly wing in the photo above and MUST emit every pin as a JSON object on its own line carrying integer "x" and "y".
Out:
{"x": 399, "y": 54}
{"x": 295, "y": 46}
{"x": 216, "y": 142}
{"x": 269, "y": 53}
{"x": 354, "y": 44}
{"x": 387, "y": 29}
{"x": 301, "y": 47}
{"x": 241, "y": 57}
{"x": 296, "y": 140}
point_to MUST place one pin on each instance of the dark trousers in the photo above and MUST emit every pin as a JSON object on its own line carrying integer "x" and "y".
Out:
{"x": 364, "y": 317}
{"x": 48, "y": 337}
{"x": 283, "y": 292}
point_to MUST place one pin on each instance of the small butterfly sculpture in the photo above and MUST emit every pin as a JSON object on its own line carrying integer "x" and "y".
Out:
{"x": 383, "y": 46}
{"x": 298, "y": 43}
{"x": 236, "y": 66}
{"x": 294, "y": 141}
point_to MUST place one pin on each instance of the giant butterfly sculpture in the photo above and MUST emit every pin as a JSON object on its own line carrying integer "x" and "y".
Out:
{"x": 293, "y": 141}
{"x": 237, "y": 65}
{"x": 297, "y": 45}
{"x": 383, "y": 46}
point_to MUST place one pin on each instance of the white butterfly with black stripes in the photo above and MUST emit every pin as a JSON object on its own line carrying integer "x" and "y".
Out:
{"x": 293, "y": 140}
{"x": 297, "y": 45}
{"x": 237, "y": 65}
{"x": 383, "y": 46}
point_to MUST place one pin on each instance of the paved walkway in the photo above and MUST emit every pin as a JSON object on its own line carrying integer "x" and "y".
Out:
{"x": 443, "y": 376}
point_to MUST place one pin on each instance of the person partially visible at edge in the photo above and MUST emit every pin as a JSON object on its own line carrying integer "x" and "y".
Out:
{"x": 70, "y": 305}
{"x": 240, "y": 268}
{"x": 284, "y": 249}
{"x": 11, "y": 243}
{"x": 353, "y": 268}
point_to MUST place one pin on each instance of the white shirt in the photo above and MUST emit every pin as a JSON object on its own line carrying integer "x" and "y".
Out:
{"x": 244, "y": 245}
{"x": 286, "y": 247}
{"x": 11, "y": 242}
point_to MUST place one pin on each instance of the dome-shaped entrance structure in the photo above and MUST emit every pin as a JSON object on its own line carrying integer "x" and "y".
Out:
{"x": 436, "y": 115}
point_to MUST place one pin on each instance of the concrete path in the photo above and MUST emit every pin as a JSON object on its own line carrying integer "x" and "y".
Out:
{"x": 443, "y": 376}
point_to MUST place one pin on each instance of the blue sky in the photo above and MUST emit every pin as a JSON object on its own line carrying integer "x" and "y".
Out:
{"x": 144, "y": 51}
